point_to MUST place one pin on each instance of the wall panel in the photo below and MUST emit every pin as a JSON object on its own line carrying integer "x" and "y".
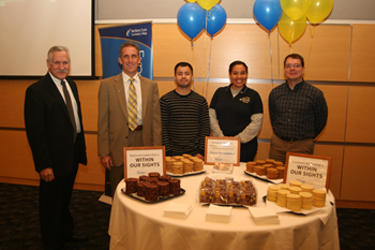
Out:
{"x": 12, "y": 99}
{"x": 358, "y": 174}
{"x": 337, "y": 154}
{"x": 264, "y": 91}
{"x": 88, "y": 95}
{"x": 263, "y": 151}
{"x": 93, "y": 173}
{"x": 363, "y": 53}
{"x": 172, "y": 46}
{"x": 16, "y": 154}
{"x": 336, "y": 97}
{"x": 245, "y": 42}
{"x": 360, "y": 117}
{"x": 18, "y": 162}
{"x": 326, "y": 51}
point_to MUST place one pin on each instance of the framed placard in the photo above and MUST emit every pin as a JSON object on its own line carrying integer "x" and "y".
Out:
{"x": 143, "y": 160}
{"x": 309, "y": 169}
{"x": 222, "y": 150}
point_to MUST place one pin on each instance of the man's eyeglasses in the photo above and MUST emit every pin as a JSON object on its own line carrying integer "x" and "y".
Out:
{"x": 296, "y": 65}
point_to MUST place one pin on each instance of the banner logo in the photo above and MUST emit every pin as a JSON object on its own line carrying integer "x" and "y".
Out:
{"x": 112, "y": 38}
{"x": 136, "y": 32}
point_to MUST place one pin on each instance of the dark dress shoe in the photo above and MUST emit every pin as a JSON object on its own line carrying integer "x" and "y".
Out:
{"x": 75, "y": 238}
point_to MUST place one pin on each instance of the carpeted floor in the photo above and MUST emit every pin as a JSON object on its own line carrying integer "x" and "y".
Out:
{"x": 19, "y": 221}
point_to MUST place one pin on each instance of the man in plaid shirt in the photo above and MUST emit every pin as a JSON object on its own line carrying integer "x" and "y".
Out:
{"x": 298, "y": 112}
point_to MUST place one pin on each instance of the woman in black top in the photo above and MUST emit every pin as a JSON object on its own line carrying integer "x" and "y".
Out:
{"x": 237, "y": 111}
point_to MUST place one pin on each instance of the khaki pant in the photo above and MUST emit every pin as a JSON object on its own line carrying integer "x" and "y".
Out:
{"x": 279, "y": 147}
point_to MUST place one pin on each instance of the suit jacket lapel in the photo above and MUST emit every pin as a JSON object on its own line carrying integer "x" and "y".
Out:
{"x": 56, "y": 94}
{"x": 119, "y": 86}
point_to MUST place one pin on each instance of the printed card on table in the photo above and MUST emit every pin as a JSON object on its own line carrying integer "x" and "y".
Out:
{"x": 309, "y": 169}
{"x": 143, "y": 160}
{"x": 222, "y": 150}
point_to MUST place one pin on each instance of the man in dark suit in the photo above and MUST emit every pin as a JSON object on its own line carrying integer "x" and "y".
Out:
{"x": 116, "y": 117}
{"x": 54, "y": 130}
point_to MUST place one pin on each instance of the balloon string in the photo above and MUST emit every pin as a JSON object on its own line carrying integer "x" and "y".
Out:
{"x": 269, "y": 39}
{"x": 192, "y": 50}
{"x": 312, "y": 29}
{"x": 278, "y": 52}
{"x": 204, "y": 62}
{"x": 209, "y": 67}
{"x": 205, "y": 50}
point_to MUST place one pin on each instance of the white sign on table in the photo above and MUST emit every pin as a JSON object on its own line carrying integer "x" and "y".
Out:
{"x": 222, "y": 150}
{"x": 143, "y": 160}
{"x": 309, "y": 169}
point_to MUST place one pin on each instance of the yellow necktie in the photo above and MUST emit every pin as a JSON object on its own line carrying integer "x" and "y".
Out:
{"x": 132, "y": 106}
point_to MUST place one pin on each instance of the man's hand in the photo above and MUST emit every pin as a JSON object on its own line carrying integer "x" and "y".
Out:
{"x": 107, "y": 162}
{"x": 47, "y": 174}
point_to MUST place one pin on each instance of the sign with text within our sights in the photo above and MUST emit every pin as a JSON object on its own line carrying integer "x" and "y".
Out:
{"x": 143, "y": 160}
{"x": 309, "y": 169}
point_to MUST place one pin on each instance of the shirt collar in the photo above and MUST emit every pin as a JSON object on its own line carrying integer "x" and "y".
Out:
{"x": 175, "y": 91}
{"x": 126, "y": 78}
{"x": 243, "y": 90}
{"x": 56, "y": 80}
{"x": 298, "y": 85}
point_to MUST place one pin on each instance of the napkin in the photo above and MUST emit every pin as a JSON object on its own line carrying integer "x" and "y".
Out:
{"x": 218, "y": 213}
{"x": 176, "y": 210}
{"x": 264, "y": 215}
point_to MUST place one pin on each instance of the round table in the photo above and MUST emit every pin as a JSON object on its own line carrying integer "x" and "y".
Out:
{"x": 135, "y": 225}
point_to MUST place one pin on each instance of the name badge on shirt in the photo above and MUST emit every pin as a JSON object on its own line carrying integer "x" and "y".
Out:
{"x": 245, "y": 99}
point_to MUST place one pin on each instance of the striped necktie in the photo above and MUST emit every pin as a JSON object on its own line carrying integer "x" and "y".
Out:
{"x": 132, "y": 106}
{"x": 69, "y": 106}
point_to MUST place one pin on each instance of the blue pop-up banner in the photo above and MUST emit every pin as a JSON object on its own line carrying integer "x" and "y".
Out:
{"x": 111, "y": 40}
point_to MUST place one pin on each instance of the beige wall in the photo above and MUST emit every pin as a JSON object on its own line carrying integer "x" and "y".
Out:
{"x": 339, "y": 60}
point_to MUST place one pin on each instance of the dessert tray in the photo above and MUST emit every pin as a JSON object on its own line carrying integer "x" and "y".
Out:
{"x": 226, "y": 191}
{"x": 279, "y": 209}
{"x": 186, "y": 174}
{"x": 264, "y": 178}
{"x": 160, "y": 199}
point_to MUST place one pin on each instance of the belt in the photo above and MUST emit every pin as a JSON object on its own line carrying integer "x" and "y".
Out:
{"x": 288, "y": 139}
{"x": 140, "y": 127}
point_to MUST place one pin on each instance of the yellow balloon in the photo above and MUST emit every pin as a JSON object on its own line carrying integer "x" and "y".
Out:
{"x": 191, "y": 1}
{"x": 290, "y": 29}
{"x": 295, "y": 9}
{"x": 207, "y": 4}
{"x": 319, "y": 9}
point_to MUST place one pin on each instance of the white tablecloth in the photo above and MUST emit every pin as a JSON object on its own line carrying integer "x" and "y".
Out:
{"x": 135, "y": 225}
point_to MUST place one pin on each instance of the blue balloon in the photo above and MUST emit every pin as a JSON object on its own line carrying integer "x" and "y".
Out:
{"x": 267, "y": 13}
{"x": 216, "y": 18}
{"x": 190, "y": 19}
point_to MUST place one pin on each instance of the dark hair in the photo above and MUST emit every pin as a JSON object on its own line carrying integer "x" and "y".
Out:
{"x": 231, "y": 66}
{"x": 183, "y": 64}
{"x": 129, "y": 44}
{"x": 295, "y": 56}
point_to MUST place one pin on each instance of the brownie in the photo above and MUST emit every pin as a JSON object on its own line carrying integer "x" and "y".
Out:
{"x": 131, "y": 185}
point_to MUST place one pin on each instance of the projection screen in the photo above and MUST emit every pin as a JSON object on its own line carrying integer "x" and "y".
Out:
{"x": 28, "y": 28}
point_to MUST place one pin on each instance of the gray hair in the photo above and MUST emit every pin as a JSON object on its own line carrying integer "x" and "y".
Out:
{"x": 57, "y": 48}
